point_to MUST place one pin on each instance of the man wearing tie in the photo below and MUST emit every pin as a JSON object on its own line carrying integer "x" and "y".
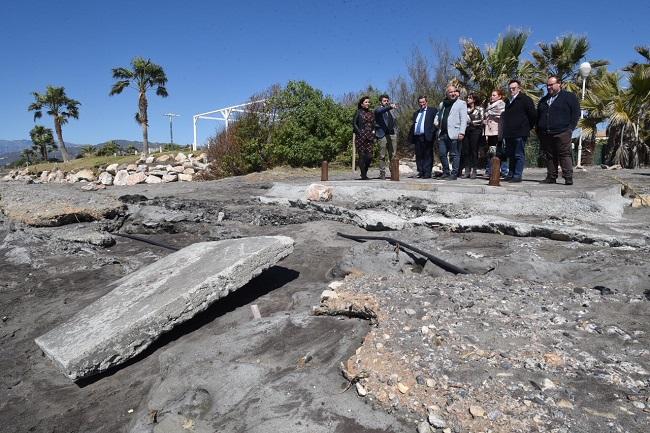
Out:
{"x": 423, "y": 133}
{"x": 385, "y": 133}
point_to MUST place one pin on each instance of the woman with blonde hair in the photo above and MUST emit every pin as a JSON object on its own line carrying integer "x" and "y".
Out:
{"x": 492, "y": 120}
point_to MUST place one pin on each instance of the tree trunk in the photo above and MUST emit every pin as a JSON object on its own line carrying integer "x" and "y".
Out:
{"x": 59, "y": 136}
{"x": 142, "y": 103}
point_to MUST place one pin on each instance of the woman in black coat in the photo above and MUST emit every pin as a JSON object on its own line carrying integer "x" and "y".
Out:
{"x": 364, "y": 129}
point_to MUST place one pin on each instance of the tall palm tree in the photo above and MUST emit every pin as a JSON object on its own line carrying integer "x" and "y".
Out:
{"x": 60, "y": 107}
{"x": 482, "y": 71}
{"x": 562, "y": 58}
{"x": 143, "y": 75}
{"x": 627, "y": 110}
{"x": 43, "y": 140}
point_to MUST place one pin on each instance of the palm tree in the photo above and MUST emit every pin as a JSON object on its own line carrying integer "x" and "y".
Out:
{"x": 561, "y": 58}
{"x": 87, "y": 150}
{"x": 625, "y": 109}
{"x": 483, "y": 71}
{"x": 143, "y": 75}
{"x": 60, "y": 107}
{"x": 43, "y": 140}
{"x": 28, "y": 155}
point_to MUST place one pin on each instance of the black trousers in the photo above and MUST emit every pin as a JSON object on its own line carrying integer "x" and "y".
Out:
{"x": 365, "y": 158}
{"x": 557, "y": 151}
{"x": 423, "y": 156}
{"x": 470, "y": 148}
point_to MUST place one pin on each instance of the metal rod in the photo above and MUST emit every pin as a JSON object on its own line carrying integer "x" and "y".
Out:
{"x": 435, "y": 260}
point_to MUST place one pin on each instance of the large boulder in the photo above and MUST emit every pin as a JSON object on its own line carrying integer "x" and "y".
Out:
{"x": 136, "y": 178}
{"x": 105, "y": 178}
{"x": 120, "y": 178}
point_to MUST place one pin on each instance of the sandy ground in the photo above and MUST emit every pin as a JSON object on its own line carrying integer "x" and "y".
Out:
{"x": 224, "y": 371}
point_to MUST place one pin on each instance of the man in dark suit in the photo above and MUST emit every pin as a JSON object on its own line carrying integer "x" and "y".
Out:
{"x": 518, "y": 118}
{"x": 422, "y": 134}
{"x": 558, "y": 113}
{"x": 385, "y": 133}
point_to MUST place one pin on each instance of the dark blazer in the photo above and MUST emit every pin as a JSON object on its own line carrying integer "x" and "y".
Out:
{"x": 381, "y": 116}
{"x": 358, "y": 122}
{"x": 562, "y": 115}
{"x": 519, "y": 117}
{"x": 429, "y": 127}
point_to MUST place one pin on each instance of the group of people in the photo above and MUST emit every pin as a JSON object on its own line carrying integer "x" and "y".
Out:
{"x": 459, "y": 128}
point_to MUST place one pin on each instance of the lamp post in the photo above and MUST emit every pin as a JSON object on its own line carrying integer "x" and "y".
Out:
{"x": 171, "y": 131}
{"x": 585, "y": 70}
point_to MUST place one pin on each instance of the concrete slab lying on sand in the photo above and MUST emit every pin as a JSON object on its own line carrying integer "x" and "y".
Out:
{"x": 156, "y": 298}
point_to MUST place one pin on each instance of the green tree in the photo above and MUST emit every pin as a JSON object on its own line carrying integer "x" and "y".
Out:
{"x": 110, "y": 148}
{"x": 482, "y": 71}
{"x": 60, "y": 107}
{"x": 562, "y": 58}
{"x": 87, "y": 150}
{"x": 27, "y": 156}
{"x": 143, "y": 75}
{"x": 624, "y": 109}
{"x": 43, "y": 140}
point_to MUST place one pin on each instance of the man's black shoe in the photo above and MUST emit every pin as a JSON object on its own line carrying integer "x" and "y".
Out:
{"x": 515, "y": 180}
{"x": 568, "y": 181}
{"x": 419, "y": 175}
{"x": 444, "y": 176}
{"x": 548, "y": 180}
{"x": 507, "y": 178}
{"x": 452, "y": 177}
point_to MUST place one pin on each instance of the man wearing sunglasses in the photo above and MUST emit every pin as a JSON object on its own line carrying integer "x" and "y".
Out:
{"x": 558, "y": 113}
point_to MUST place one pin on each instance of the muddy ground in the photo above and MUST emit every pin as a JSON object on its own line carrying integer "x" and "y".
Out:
{"x": 225, "y": 371}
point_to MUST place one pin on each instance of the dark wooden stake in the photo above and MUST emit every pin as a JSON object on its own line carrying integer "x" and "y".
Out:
{"x": 495, "y": 176}
{"x": 324, "y": 171}
{"x": 394, "y": 169}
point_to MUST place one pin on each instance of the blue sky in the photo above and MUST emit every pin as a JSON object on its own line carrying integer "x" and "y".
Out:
{"x": 218, "y": 53}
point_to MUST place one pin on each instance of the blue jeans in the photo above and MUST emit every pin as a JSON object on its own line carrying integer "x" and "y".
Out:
{"x": 516, "y": 153}
{"x": 452, "y": 147}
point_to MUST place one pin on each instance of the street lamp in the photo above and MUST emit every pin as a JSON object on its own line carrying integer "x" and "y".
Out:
{"x": 585, "y": 70}
{"x": 171, "y": 131}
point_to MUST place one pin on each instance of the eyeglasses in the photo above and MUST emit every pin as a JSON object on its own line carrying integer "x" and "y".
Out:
{"x": 513, "y": 87}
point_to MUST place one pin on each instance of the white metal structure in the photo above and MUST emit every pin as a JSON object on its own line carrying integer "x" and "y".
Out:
{"x": 224, "y": 113}
{"x": 585, "y": 70}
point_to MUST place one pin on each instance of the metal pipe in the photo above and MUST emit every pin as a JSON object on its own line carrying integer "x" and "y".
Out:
{"x": 435, "y": 260}
{"x": 145, "y": 240}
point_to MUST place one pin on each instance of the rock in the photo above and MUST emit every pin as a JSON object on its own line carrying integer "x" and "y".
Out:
{"x": 553, "y": 359}
{"x": 56, "y": 176}
{"x": 156, "y": 298}
{"x": 436, "y": 421}
{"x": 423, "y": 427}
{"x": 132, "y": 167}
{"x": 547, "y": 384}
{"x": 361, "y": 390}
{"x": 335, "y": 285}
{"x": 431, "y": 383}
{"x": 189, "y": 171}
{"x": 120, "y": 178}
{"x": 410, "y": 311}
{"x": 149, "y": 160}
{"x": 177, "y": 169}
{"x": 105, "y": 178}
{"x": 494, "y": 415}
{"x": 319, "y": 192}
{"x": 328, "y": 294}
{"x": 93, "y": 187}
{"x": 185, "y": 177}
{"x": 142, "y": 168}
{"x": 477, "y": 411}
{"x": 159, "y": 173}
{"x": 220, "y": 216}
{"x": 163, "y": 158}
{"x": 112, "y": 168}
{"x": 180, "y": 157}
{"x": 565, "y": 404}
{"x": 402, "y": 388}
{"x": 153, "y": 179}
{"x": 44, "y": 175}
{"x": 641, "y": 200}
{"x": 376, "y": 220}
{"x": 169, "y": 178}
{"x": 136, "y": 178}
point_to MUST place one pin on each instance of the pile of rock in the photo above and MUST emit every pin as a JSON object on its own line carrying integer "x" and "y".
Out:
{"x": 162, "y": 169}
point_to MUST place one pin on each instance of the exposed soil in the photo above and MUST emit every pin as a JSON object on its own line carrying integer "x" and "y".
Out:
{"x": 534, "y": 308}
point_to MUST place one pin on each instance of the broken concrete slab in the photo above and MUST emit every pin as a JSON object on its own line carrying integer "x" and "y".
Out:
{"x": 155, "y": 299}
{"x": 593, "y": 204}
{"x": 377, "y": 220}
{"x": 24, "y": 203}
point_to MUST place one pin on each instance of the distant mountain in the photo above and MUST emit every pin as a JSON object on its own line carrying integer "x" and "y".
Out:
{"x": 10, "y": 149}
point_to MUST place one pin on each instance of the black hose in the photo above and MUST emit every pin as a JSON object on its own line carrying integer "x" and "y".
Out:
{"x": 148, "y": 241}
{"x": 443, "y": 264}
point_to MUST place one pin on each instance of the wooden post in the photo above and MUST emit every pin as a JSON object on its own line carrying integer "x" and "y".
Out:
{"x": 354, "y": 152}
{"x": 495, "y": 176}
{"x": 324, "y": 171}
{"x": 394, "y": 169}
